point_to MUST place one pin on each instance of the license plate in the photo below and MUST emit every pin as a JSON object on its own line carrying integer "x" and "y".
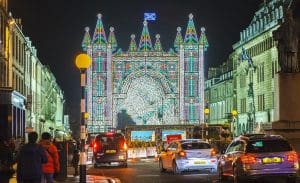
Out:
{"x": 271, "y": 160}
{"x": 121, "y": 157}
{"x": 110, "y": 151}
{"x": 200, "y": 162}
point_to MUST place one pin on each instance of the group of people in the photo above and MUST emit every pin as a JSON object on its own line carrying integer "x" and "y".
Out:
{"x": 37, "y": 161}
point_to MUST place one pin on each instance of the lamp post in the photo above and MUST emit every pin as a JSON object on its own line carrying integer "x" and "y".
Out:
{"x": 234, "y": 114}
{"x": 82, "y": 62}
{"x": 206, "y": 112}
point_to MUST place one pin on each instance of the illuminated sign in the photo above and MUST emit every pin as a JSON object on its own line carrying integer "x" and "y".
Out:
{"x": 150, "y": 16}
{"x": 147, "y": 136}
{"x": 182, "y": 133}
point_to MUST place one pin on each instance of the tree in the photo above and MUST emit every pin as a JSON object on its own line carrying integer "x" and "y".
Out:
{"x": 124, "y": 119}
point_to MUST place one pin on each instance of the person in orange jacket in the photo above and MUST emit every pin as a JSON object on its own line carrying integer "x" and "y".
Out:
{"x": 52, "y": 166}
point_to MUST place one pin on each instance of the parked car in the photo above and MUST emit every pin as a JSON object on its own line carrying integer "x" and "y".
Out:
{"x": 185, "y": 155}
{"x": 110, "y": 147}
{"x": 259, "y": 157}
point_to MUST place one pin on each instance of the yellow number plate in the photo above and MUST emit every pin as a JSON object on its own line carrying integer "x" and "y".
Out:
{"x": 200, "y": 162}
{"x": 121, "y": 157}
{"x": 110, "y": 151}
{"x": 272, "y": 160}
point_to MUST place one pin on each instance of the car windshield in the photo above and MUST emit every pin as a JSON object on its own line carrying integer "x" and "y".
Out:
{"x": 263, "y": 146}
{"x": 195, "y": 145}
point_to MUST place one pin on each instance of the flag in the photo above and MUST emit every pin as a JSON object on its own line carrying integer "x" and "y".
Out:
{"x": 149, "y": 16}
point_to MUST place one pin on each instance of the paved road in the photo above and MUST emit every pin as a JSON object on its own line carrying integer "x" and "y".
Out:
{"x": 148, "y": 172}
{"x": 143, "y": 171}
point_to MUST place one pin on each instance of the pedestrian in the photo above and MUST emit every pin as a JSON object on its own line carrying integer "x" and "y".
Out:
{"x": 53, "y": 165}
{"x": 12, "y": 144}
{"x": 30, "y": 159}
{"x": 75, "y": 160}
{"x": 6, "y": 161}
{"x": 18, "y": 144}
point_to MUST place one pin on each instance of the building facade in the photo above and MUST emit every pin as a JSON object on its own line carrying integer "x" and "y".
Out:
{"x": 254, "y": 67}
{"x": 256, "y": 55}
{"x": 24, "y": 90}
{"x": 220, "y": 93}
{"x": 146, "y": 83}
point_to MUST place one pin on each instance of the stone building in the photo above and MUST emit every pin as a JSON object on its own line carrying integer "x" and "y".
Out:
{"x": 25, "y": 92}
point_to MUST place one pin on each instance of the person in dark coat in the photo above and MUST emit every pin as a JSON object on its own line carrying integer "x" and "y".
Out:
{"x": 30, "y": 160}
{"x": 6, "y": 161}
{"x": 75, "y": 160}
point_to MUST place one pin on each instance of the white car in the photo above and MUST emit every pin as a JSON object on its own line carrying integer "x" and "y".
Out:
{"x": 187, "y": 155}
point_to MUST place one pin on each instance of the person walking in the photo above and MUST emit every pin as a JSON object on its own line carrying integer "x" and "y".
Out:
{"x": 30, "y": 159}
{"x": 75, "y": 160}
{"x": 52, "y": 166}
{"x": 6, "y": 161}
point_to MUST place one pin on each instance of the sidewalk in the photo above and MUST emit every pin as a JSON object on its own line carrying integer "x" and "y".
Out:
{"x": 72, "y": 179}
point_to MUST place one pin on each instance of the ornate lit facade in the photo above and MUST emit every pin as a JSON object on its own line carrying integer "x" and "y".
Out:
{"x": 152, "y": 86}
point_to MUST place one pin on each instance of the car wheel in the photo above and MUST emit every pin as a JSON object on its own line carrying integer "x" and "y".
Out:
{"x": 95, "y": 165}
{"x": 176, "y": 171}
{"x": 236, "y": 178}
{"x": 222, "y": 178}
{"x": 125, "y": 165}
{"x": 161, "y": 167}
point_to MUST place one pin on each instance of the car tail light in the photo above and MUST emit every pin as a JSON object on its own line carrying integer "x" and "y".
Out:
{"x": 182, "y": 154}
{"x": 96, "y": 147}
{"x": 125, "y": 146}
{"x": 110, "y": 134}
{"x": 248, "y": 159}
{"x": 213, "y": 153}
{"x": 292, "y": 156}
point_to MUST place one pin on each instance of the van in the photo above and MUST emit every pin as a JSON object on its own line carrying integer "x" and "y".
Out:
{"x": 110, "y": 148}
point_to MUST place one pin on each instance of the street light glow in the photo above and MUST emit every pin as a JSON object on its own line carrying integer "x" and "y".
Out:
{"x": 234, "y": 112}
{"x": 206, "y": 111}
{"x": 83, "y": 61}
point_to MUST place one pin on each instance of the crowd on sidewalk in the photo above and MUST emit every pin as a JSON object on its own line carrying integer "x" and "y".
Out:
{"x": 36, "y": 161}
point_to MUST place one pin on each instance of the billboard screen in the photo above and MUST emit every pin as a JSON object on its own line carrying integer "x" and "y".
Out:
{"x": 173, "y": 132}
{"x": 147, "y": 136}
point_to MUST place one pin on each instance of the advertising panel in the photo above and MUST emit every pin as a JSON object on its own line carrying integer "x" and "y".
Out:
{"x": 147, "y": 136}
{"x": 173, "y": 132}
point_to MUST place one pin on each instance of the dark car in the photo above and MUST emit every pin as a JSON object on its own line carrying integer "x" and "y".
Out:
{"x": 110, "y": 148}
{"x": 259, "y": 157}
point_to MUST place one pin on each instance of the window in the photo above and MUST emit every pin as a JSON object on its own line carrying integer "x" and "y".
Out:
{"x": 191, "y": 111}
{"x": 261, "y": 102}
{"x": 231, "y": 147}
{"x": 262, "y": 146}
{"x": 195, "y": 145}
{"x": 191, "y": 63}
{"x": 260, "y": 73}
{"x": 191, "y": 87}
{"x": 239, "y": 146}
{"x": 242, "y": 80}
{"x": 99, "y": 64}
{"x": 243, "y": 105}
{"x": 99, "y": 87}
{"x": 273, "y": 69}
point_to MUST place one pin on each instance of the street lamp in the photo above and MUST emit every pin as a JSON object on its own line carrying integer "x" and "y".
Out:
{"x": 206, "y": 112}
{"x": 82, "y": 62}
{"x": 234, "y": 114}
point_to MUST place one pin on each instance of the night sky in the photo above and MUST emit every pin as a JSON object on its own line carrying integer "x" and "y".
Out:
{"x": 56, "y": 28}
